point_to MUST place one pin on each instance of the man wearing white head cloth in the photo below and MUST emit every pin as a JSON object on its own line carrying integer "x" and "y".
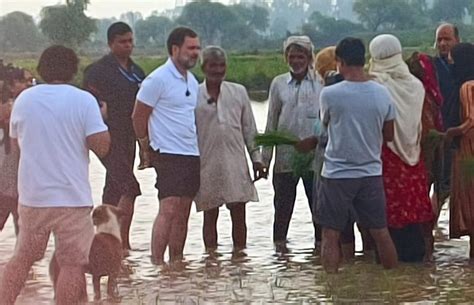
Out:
{"x": 293, "y": 107}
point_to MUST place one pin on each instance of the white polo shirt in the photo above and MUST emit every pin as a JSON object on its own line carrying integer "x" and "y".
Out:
{"x": 172, "y": 126}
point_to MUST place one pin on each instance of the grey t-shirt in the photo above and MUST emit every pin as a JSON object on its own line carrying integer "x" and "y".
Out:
{"x": 355, "y": 113}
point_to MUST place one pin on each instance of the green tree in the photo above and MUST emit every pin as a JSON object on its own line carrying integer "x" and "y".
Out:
{"x": 256, "y": 17}
{"x": 209, "y": 19}
{"x": 18, "y": 32}
{"x": 450, "y": 10}
{"x": 67, "y": 24}
{"x": 325, "y": 30}
{"x": 153, "y": 30}
{"x": 131, "y": 18}
{"x": 391, "y": 14}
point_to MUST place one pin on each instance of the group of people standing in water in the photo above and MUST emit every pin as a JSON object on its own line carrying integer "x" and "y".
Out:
{"x": 380, "y": 137}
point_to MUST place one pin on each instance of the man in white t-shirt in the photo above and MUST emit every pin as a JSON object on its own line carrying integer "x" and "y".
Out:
{"x": 55, "y": 125}
{"x": 164, "y": 122}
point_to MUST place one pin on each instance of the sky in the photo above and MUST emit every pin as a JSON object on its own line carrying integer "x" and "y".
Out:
{"x": 96, "y": 9}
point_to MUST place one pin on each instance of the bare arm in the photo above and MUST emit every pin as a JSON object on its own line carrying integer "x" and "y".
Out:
{"x": 388, "y": 131}
{"x": 99, "y": 143}
{"x": 140, "y": 116}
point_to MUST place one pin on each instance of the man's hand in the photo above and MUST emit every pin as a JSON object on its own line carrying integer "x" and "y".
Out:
{"x": 145, "y": 153}
{"x": 259, "y": 171}
{"x": 306, "y": 145}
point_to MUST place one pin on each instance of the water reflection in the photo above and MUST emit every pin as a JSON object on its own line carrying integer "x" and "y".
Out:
{"x": 262, "y": 275}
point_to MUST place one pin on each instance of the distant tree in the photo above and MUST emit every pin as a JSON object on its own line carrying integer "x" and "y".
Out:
{"x": 131, "y": 18}
{"x": 209, "y": 19}
{"x": 376, "y": 14}
{"x": 451, "y": 10}
{"x": 279, "y": 27}
{"x": 325, "y": 30}
{"x": 153, "y": 30}
{"x": 257, "y": 17}
{"x": 67, "y": 24}
{"x": 18, "y": 32}
{"x": 102, "y": 27}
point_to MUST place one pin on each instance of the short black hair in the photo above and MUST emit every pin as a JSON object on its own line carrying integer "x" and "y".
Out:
{"x": 117, "y": 28}
{"x": 57, "y": 63}
{"x": 351, "y": 51}
{"x": 177, "y": 37}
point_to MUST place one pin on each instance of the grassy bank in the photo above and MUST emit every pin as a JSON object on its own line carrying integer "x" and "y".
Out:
{"x": 255, "y": 72}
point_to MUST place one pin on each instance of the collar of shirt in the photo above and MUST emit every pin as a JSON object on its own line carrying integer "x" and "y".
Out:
{"x": 291, "y": 80}
{"x": 174, "y": 71}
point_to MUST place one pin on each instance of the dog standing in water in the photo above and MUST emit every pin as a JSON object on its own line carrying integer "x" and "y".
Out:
{"x": 105, "y": 256}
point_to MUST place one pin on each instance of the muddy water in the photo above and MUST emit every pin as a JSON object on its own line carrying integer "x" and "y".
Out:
{"x": 263, "y": 276}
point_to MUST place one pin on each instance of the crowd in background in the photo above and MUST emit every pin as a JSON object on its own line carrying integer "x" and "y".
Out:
{"x": 381, "y": 134}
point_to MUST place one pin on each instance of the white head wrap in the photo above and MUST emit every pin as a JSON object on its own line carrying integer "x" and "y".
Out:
{"x": 388, "y": 68}
{"x": 303, "y": 41}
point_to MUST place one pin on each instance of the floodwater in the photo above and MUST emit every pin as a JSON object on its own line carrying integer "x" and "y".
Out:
{"x": 263, "y": 276}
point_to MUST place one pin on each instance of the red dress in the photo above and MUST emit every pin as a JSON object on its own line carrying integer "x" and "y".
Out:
{"x": 406, "y": 191}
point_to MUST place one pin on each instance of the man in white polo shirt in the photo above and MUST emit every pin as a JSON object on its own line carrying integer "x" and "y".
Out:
{"x": 55, "y": 125}
{"x": 163, "y": 120}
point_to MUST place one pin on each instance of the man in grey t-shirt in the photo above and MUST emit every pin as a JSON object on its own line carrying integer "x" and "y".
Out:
{"x": 359, "y": 116}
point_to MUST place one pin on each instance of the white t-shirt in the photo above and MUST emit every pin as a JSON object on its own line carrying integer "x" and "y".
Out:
{"x": 172, "y": 125}
{"x": 51, "y": 123}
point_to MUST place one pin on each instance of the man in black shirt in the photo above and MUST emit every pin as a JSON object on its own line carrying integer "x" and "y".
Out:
{"x": 114, "y": 79}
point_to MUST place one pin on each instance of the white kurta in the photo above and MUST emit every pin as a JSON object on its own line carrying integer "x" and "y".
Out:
{"x": 225, "y": 129}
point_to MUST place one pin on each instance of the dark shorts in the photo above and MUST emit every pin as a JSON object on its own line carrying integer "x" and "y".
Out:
{"x": 342, "y": 199}
{"x": 177, "y": 175}
{"x": 119, "y": 178}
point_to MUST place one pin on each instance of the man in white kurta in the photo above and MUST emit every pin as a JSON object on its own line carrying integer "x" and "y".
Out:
{"x": 226, "y": 129}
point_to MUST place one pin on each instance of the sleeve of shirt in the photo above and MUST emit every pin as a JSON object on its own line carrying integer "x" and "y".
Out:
{"x": 13, "y": 128}
{"x": 150, "y": 91}
{"x": 274, "y": 110}
{"x": 92, "y": 81}
{"x": 324, "y": 107}
{"x": 93, "y": 120}
{"x": 249, "y": 128}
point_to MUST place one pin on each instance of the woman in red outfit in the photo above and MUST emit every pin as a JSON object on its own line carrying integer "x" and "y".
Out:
{"x": 404, "y": 172}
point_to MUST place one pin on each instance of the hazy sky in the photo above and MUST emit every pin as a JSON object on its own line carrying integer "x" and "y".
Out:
{"x": 97, "y": 8}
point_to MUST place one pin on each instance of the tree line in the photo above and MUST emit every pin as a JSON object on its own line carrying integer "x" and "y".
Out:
{"x": 241, "y": 27}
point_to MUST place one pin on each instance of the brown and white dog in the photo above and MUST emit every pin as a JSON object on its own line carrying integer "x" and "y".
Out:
{"x": 105, "y": 257}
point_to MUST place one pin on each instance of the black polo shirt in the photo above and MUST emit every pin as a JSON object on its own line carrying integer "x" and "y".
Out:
{"x": 116, "y": 86}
